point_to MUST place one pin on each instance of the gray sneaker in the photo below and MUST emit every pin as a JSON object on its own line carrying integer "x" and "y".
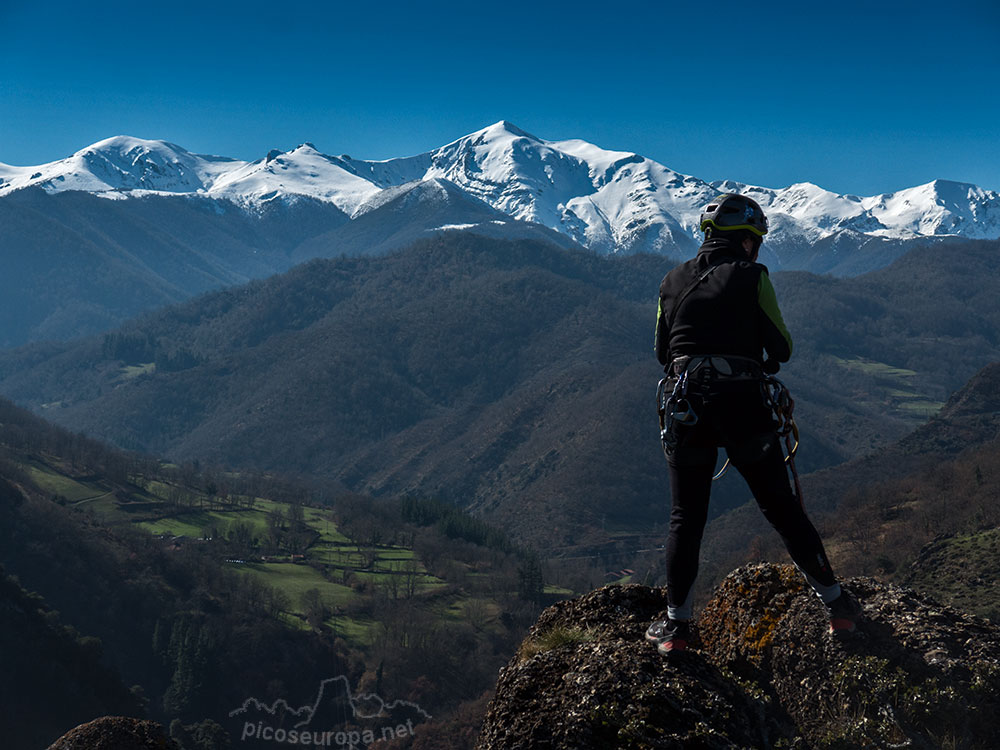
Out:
{"x": 670, "y": 636}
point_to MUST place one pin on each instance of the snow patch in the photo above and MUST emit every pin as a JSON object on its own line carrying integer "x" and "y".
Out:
{"x": 446, "y": 227}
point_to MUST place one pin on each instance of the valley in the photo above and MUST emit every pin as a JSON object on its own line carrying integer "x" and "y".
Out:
{"x": 501, "y": 376}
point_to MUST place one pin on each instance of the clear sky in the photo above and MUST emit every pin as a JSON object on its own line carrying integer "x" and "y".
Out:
{"x": 858, "y": 97}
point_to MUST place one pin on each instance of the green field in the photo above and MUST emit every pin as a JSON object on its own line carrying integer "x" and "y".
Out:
{"x": 189, "y": 524}
{"x": 195, "y": 523}
{"x": 341, "y": 570}
{"x": 900, "y": 394}
{"x": 877, "y": 369}
{"x": 347, "y": 555}
{"x": 294, "y": 579}
{"x": 58, "y": 484}
{"x": 319, "y": 519}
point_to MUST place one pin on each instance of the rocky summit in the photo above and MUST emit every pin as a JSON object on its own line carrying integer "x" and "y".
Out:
{"x": 763, "y": 672}
{"x": 116, "y": 733}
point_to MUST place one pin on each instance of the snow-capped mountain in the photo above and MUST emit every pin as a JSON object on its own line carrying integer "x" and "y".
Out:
{"x": 609, "y": 201}
{"x": 117, "y": 166}
{"x": 399, "y": 216}
{"x": 120, "y": 167}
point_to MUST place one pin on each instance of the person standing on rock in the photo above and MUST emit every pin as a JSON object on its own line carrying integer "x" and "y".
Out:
{"x": 717, "y": 317}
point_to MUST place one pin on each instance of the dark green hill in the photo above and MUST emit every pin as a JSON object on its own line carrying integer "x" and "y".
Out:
{"x": 324, "y": 368}
{"x": 968, "y": 421}
{"x": 52, "y": 676}
{"x": 111, "y": 600}
{"x": 510, "y": 377}
{"x": 75, "y": 263}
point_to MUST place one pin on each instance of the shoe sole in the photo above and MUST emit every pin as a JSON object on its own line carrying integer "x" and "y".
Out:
{"x": 843, "y": 629}
{"x": 842, "y": 623}
{"x": 668, "y": 648}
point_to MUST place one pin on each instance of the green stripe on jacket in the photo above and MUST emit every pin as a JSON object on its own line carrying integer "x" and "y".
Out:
{"x": 768, "y": 302}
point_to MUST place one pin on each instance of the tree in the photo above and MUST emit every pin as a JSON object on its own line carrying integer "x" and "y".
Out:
{"x": 530, "y": 584}
{"x": 314, "y": 607}
{"x": 241, "y": 538}
{"x": 191, "y": 652}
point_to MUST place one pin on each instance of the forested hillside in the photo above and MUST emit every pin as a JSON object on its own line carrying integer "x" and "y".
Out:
{"x": 203, "y": 588}
{"x": 52, "y": 676}
{"x": 513, "y": 378}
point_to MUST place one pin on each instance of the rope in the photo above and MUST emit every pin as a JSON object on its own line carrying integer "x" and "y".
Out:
{"x": 722, "y": 471}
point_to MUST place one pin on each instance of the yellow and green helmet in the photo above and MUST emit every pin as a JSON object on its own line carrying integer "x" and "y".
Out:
{"x": 733, "y": 211}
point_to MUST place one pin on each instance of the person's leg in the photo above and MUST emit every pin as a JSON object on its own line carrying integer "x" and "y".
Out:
{"x": 760, "y": 460}
{"x": 691, "y": 469}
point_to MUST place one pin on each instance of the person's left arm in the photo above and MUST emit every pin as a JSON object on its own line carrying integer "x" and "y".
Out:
{"x": 777, "y": 339}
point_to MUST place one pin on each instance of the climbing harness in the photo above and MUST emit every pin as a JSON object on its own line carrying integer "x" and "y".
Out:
{"x": 675, "y": 409}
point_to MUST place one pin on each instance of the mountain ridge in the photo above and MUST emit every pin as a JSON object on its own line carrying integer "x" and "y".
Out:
{"x": 608, "y": 201}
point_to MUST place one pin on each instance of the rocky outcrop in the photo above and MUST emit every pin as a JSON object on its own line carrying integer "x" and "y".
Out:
{"x": 764, "y": 673}
{"x": 115, "y": 733}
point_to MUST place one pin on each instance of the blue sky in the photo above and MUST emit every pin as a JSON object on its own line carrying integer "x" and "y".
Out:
{"x": 856, "y": 98}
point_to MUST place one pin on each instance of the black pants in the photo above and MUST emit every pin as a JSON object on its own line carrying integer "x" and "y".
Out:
{"x": 740, "y": 422}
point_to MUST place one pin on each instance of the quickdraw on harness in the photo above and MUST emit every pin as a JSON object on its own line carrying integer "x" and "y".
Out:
{"x": 673, "y": 410}
{"x": 780, "y": 400}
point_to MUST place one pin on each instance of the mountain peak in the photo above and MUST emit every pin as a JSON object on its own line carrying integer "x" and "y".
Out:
{"x": 505, "y": 126}
{"x": 957, "y": 191}
{"x": 127, "y": 143}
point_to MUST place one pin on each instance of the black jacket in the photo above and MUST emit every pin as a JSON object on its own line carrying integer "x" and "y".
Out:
{"x": 726, "y": 305}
